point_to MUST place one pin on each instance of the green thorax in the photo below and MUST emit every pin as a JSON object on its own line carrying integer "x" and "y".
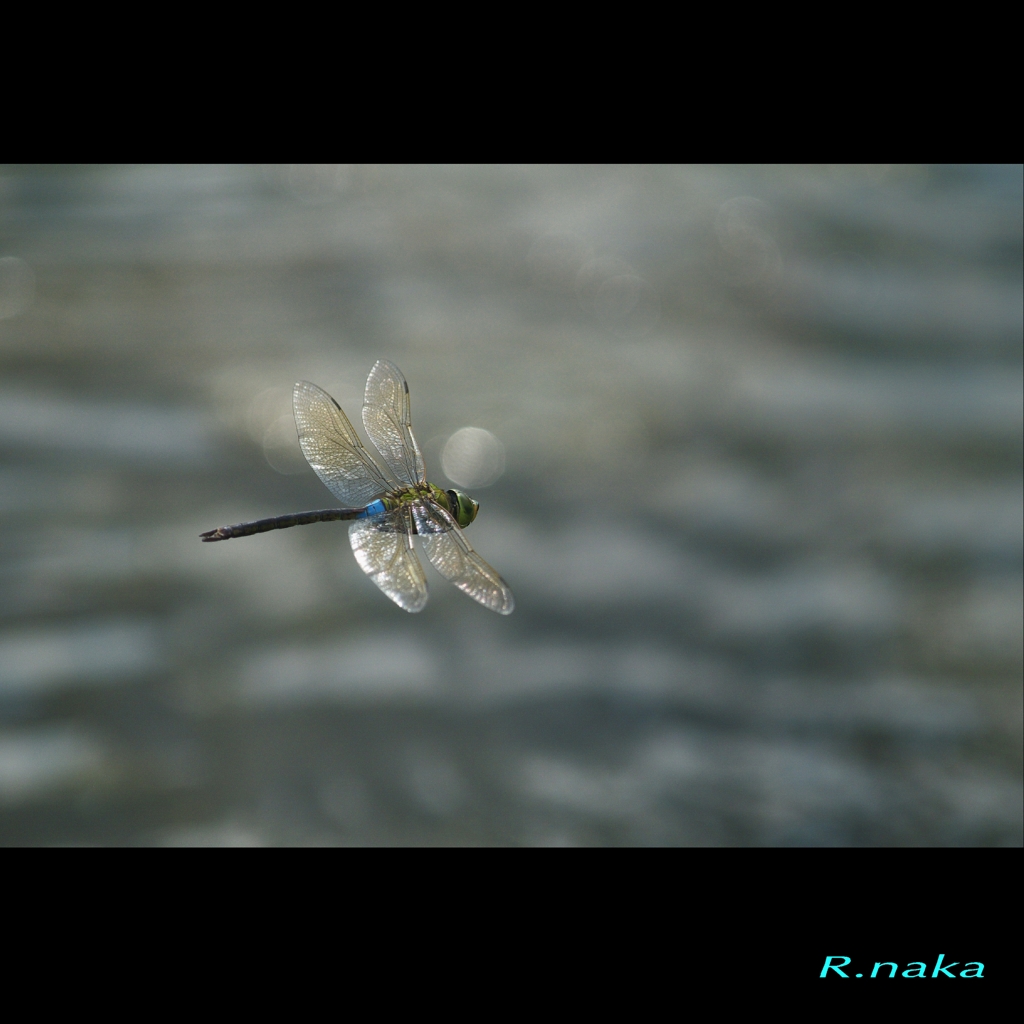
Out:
{"x": 402, "y": 496}
{"x": 461, "y": 506}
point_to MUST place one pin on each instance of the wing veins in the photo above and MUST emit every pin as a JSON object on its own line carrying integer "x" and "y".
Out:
{"x": 468, "y": 571}
{"x": 333, "y": 449}
{"x": 383, "y": 548}
{"x": 387, "y": 417}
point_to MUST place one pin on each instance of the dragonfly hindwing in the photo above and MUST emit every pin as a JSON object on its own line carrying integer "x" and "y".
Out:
{"x": 383, "y": 548}
{"x": 454, "y": 558}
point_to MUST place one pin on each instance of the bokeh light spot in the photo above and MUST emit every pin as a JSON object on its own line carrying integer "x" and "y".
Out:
{"x": 473, "y": 457}
{"x": 616, "y": 298}
{"x": 281, "y": 447}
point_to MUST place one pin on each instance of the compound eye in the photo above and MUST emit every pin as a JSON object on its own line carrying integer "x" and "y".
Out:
{"x": 464, "y": 508}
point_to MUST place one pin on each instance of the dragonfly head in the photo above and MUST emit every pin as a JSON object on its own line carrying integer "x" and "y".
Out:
{"x": 464, "y": 508}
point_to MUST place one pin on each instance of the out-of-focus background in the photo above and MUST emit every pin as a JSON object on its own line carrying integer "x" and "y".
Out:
{"x": 748, "y": 448}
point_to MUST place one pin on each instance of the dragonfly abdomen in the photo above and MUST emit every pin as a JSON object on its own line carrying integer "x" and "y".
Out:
{"x": 326, "y": 515}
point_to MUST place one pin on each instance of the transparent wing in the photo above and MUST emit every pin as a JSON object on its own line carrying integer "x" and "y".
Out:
{"x": 453, "y": 557}
{"x": 388, "y": 421}
{"x": 333, "y": 449}
{"x": 383, "y": 548}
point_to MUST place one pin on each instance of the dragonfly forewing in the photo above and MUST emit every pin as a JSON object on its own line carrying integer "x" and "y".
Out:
{"x": 383, "y": 548}
{"x": 333, "y": 449}
{"x": 387, "y": 417}
{"x": 454, "y": 558}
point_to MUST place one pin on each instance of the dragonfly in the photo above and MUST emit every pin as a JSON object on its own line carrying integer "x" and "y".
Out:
{"x": 388, "y": 504}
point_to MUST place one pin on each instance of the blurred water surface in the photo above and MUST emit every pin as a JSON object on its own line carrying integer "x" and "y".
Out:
{"x": 749, "y": 445}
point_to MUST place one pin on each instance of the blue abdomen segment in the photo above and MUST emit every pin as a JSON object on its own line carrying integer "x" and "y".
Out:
{"x": 373, "y": 509}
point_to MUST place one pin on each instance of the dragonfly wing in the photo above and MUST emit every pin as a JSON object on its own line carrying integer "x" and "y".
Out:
{"x": 454, "y": 558}
{"x": 383, "y": 548}
{"x": 333, "y": 449}
{"x": 388, "y": 421}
